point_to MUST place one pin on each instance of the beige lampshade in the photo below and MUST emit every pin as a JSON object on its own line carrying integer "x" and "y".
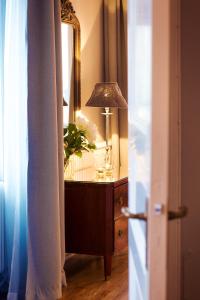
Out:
{"x": 107, "y": 94}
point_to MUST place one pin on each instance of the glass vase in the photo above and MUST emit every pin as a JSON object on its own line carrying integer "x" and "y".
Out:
{"x": 69, "y": 169}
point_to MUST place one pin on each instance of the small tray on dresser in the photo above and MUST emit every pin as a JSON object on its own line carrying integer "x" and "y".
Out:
{"x": 93, "y": 220}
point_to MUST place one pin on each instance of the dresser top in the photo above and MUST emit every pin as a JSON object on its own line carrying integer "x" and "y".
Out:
{"x": 107, "y": 180}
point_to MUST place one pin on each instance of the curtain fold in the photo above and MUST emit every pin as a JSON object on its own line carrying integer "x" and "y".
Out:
{"x": 115, "y": 69}
{"x": 45, "y": 171}
{"x": 31, "y": 151}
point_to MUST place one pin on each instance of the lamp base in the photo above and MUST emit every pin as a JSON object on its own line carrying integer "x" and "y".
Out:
{"x": 108, "y": 165}
{"x": 109, "y": 172}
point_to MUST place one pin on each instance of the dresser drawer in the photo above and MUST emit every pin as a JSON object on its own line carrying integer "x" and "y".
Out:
{"x": 93, "y": 219}
{"x": 120, "y": 199}
{"x": 121, "y": 235}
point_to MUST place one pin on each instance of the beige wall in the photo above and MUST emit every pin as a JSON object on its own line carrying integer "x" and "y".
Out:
{"x": 90, "y": 16}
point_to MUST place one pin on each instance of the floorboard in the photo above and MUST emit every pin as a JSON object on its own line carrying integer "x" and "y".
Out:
{"x": 85, "y": 278}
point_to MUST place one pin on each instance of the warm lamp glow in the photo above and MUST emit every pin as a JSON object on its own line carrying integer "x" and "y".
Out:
{"x": 78, "y": 113}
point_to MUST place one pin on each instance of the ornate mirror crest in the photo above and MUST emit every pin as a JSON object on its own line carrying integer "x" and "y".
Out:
{"x": 68, "y": 16}
{"x": 68, "y": 13}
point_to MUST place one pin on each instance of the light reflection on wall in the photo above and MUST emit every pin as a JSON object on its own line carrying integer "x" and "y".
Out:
{"x": 90, "y": 17}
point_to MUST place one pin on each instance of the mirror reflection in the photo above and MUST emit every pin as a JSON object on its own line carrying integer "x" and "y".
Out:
{"x": 68, "y": 72}
{"x": 70, "y": 30}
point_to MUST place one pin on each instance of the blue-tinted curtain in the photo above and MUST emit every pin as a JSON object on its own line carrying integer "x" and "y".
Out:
{"x": 2, "y": 240}
{"x": 14, "y": 149}
{"x": 31, "y": 150}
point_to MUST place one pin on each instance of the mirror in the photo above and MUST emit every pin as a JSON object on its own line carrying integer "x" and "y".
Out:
{"x": 70, "y": 29}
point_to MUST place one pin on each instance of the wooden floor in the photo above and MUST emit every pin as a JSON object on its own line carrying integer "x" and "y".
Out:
{"x": 85, "y": 278}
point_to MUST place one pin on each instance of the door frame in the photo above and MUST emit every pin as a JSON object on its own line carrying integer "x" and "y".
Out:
{"x": 166, "y": 152}
{"x": 174, "y": 228}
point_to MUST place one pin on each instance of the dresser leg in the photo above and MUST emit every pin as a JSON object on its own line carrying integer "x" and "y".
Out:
{"x": 107, "y": 265}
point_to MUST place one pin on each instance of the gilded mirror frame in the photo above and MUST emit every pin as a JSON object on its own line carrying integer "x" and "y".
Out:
{"x": 68, "y": 16}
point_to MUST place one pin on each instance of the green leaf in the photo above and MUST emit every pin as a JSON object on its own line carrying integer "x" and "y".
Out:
{"x": 79, "y": 154}
{"x": 75, "y": 141}
{"x": 92, "y": 146}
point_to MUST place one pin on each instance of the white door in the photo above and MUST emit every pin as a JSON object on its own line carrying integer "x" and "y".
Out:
{"x": 153, "y": 113}
{"x": 140, "y": 104}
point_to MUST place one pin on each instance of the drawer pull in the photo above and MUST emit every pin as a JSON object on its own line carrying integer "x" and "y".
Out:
{"x": 120, "y": 233}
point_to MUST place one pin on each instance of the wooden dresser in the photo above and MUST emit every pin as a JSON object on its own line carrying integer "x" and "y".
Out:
{"x": 93, "y": 220}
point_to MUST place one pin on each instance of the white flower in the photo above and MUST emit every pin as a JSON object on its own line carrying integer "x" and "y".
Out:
{"x": 90, "y": 128}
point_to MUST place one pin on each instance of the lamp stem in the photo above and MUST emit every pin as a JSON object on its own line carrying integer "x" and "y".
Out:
{"x": 107, "y": 115}
{"x": 108, "y": 164}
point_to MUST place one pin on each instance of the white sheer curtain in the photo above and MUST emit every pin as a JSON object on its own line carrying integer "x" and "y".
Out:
{"x": 2, "y": 29}
{"x": 31, "y": 151}
{"x": 14, "y": 150}
{"x": 15, "y": 143}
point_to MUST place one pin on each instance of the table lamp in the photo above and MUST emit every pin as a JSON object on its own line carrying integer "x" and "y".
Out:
{"x": 107, "y": 95}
